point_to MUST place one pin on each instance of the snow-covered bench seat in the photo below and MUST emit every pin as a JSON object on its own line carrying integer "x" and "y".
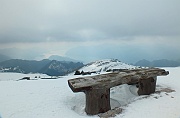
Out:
{"x": 97, "y": 88}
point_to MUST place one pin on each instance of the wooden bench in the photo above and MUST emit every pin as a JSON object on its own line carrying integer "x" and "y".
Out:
{"x": 97, "y": 88}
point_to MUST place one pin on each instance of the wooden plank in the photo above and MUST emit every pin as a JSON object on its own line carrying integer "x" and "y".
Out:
{"x": 97, "y": 88}
{"x": 113, "y": 79}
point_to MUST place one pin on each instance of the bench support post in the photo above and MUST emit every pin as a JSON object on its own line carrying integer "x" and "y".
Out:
{"x": 147, "y": 86}
{"x": 97, "y": 101}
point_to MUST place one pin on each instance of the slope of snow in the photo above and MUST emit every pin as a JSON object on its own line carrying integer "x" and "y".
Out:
{"x": 106, "y": 64}
{"x": 54, "y": 99}
{"x": 6, "y": 76}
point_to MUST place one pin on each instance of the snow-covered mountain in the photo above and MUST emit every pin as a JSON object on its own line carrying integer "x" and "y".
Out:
{"x": 106, "y": 65}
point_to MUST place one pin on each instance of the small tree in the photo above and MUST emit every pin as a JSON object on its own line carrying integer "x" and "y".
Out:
{"x": 77, "y": 73}
{"x": 82, "y": 72}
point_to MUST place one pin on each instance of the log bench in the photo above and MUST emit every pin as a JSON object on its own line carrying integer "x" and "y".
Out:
{"x": 97, "y": 88}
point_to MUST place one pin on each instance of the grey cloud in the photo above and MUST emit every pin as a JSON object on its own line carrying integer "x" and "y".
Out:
{"x": 62, "y": 20}
{"x": 30, "y": 53}
{"x": 127, "y": 53}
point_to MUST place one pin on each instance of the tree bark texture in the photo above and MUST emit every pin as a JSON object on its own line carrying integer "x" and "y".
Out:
{"x": 97, "y": 101}
{"x": 147, "y": 86}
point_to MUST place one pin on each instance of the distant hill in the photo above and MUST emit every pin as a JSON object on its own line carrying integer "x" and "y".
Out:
{"x": 52, "y": 68}
{"x": 4, "y": 58}
{"x": 22, "y": 66}
{"x": 55, "y": 68}
{"x": 144, "y": 63}
{"x": 158, "y": 63}
{"x": 105, "y": 65}
{"x": 61, "y": 58}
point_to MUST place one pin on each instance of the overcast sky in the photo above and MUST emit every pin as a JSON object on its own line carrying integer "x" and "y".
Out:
{"x": 87, "y": 30}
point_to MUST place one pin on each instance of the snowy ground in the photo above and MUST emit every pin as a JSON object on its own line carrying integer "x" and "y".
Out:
{"x": 54, "y": 99}
{"x": 9, "y": 76}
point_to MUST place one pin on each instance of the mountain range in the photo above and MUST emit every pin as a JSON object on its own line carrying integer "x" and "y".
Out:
{"x": 59, "y": 68}
{"x": 158, "y": 63}
{"x": 57, "y": 65}
{"x": 49, "y": 67}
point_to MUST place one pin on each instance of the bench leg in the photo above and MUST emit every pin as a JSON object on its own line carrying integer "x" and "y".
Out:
{"x": 97, "y": 101}
{"x": 147, "y": 86}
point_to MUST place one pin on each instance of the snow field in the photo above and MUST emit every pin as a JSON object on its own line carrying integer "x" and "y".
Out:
{"x": 54, "y": 99}
{"x": 16, "y": 76}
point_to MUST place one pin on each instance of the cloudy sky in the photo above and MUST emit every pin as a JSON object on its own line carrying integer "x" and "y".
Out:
{"x": 87, "y": 30}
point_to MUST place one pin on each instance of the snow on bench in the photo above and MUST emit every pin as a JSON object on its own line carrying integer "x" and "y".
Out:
{"x": 97, "y": 88}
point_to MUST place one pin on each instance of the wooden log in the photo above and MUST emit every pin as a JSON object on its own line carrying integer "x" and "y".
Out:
{"x": 97, "y": 101}
{"x": 113, "y": 79}
{"x": 97, "y": 88}
{"x": 147, "y": 86}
